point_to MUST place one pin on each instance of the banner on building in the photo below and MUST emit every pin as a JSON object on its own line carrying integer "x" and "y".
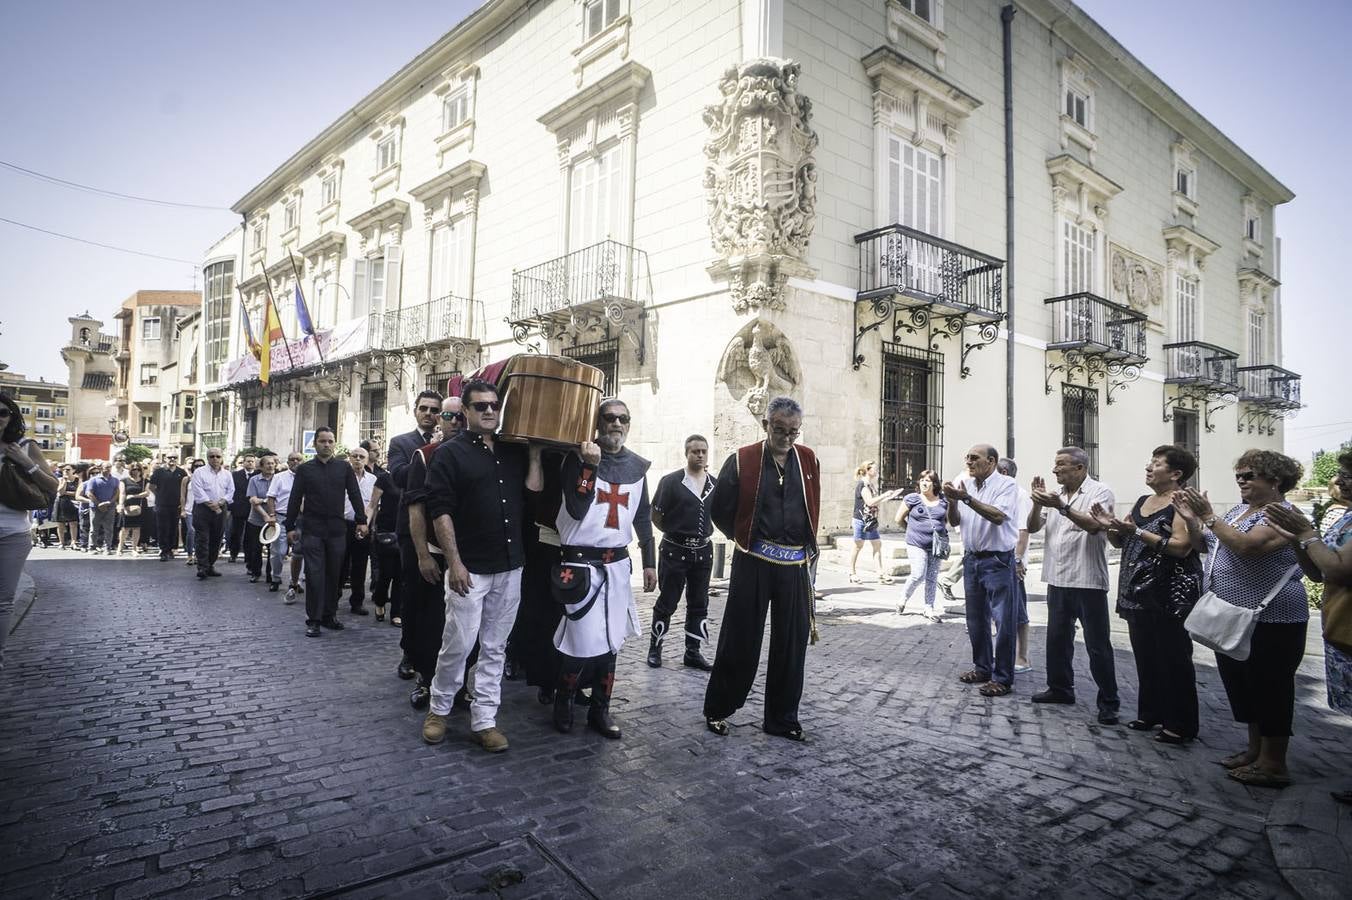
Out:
{"x": 343, "y": 340}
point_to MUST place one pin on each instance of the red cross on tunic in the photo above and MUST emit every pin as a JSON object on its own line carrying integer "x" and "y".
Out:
{"x": 615, "y": 499}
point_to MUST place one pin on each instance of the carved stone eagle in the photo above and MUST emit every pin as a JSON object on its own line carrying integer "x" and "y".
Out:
{"x": 759, "y": 363}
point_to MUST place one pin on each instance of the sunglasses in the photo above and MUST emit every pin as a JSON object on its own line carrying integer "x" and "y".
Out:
{"x": 459, "y": 417}
{"x": 622, "y": 418}
{"x": 1245, "y": 476}
{"x": 483, "y": 406}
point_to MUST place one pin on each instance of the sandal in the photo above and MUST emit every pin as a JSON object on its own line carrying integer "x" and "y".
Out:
{"x": 396, "y": 622}
{"x": 974, "y": 677}
{"x": 1259, "y": 778}
{"x": 718, "y": 726}
{"x": 1238, "y": 760}
{"x": 1141, "y": 725}
{"x": 994, "y": 689}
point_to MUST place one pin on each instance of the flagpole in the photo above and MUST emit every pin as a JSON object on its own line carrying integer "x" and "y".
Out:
{"x": 267, "y": 282}
{"x": 314, "y": 332}
{"x": 248, "y": 326}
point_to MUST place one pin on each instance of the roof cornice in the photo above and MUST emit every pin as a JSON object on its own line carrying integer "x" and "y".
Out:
{"x": 427, "y": 65}
{"x": 1106, "y": 55}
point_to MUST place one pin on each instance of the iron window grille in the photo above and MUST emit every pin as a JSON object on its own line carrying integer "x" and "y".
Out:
{"x": 604, "y": 355}
{"x": 437, "y": 380}
{"x": 911, "y": 416}
{"x": 1079, "y": 417}
{"x": 371, "y": 423}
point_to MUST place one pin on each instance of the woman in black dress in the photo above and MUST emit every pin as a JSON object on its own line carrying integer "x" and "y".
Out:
{"x": 1157, "y": 558}
{"x": 134, "y": 492}
{"x": 66, "y": 514}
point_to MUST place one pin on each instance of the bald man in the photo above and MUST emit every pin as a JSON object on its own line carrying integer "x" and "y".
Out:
{"x": 358, "y": 546}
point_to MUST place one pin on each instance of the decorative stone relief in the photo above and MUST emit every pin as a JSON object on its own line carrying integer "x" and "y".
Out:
{"x": 1135, "y": 281}
{"x": 760, "y": 181}
{"x": 759, "y": 363}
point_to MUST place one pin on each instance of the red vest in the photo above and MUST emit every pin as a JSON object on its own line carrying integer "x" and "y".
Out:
{"x": 748, "y": 485}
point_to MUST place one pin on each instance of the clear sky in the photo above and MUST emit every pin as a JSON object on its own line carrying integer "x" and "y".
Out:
{"x": 197, "y": 102}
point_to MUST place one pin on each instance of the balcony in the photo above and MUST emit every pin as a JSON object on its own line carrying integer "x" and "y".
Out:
{"x": 1096, "y": 338}
{"x": 1269, "y": 393}
{"x": 937, "y": 283}
{"x": 1205, "y": 378}
{"x": 595, "y": 289}
{"x": 446, "y": 319}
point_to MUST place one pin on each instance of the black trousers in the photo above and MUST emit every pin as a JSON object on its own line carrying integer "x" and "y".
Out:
{"x": 1168, "y": 681}
{"x": 1066, "y": 606}
{"x": 1262, "y": 688}
{"x": 424, "y": 613}
{"x": 166, "y": 528}
{"x": 323, "y": 575}
{"x": 208, "y": 526}
{"x": 681, "y": 569}
{"x": 387, "y": 577}
{"x": 253, "y": 549}
{"x": 237, "y": 522}
{"x": 355, "y": 559}
{"x": 758, "y": 586}
{"x": 531, "y": 646}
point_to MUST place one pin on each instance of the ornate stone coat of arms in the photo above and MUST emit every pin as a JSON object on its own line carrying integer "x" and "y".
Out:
{"x": 760, "y": 181}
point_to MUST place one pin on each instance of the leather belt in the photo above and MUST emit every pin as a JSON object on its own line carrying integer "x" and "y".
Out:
{"x": 690, "y": 543}
{"x": 601, "y": 555}
{"x": 986, "y": 554}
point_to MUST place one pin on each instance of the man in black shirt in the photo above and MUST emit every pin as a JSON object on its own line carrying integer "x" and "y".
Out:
{"x": 386, "y": 583}
{"x": 402, "y": 447}
{"x": 767, "y": 501}
{"x": 685, "y": 558}
{"x": 239, "y": 507}
{"x": 167, "y": 484}
{"x": 475, "y": 498}
{"x": 316, "y": 506}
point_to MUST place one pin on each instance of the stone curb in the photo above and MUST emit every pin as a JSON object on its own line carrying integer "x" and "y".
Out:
{"x": 1311, "y": 839}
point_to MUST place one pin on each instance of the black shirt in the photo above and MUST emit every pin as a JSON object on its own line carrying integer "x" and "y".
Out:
{"x": 781, "y": 511}
{"x": 317, "y": 498}
{"x": 681, "y": 513}
{"x": 239, "y": 505}
{"x": 388, "y": 513}
{"x": 483, "y": 491}
{"x": 167, "y": 482}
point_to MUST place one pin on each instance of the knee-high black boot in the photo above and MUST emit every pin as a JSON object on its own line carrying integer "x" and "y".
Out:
{"x": 658, "y": 632}
{"x": 563, "y": 695}
{"x": 598, "y": 716}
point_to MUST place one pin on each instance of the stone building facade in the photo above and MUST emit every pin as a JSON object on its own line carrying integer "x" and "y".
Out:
{"x": 722, "y": 202}
{"x": 148, "y": 343}
{"x": 90, "y": 355}
{"x": 45, "y": 406}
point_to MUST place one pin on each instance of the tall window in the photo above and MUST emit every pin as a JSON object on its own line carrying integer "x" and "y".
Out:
{"x": 147, "y": 424}
{"x": 371, "y": 427}
{"x": 594, "y": 203}
{"x": 150, "y": 373}
{"x": 448, "y": 249}
{"x": 1185, "y": 181}
{"x": 250, "y": 436}
{"x": 376, "y": 283}
{"x": 385, "y": 153}
{"x": 150, "y": 328}
{"x": 1077, "y": 107}
{"x": 1187, "y": 434}
{"x": 915, "y": 187}
{"x": 1257, "y": 337}
{"x": 219, "y": 286}
{"x": 1079, "y": 421}
{"x": 598, "y": 15}
{"x": 604, "y": 355}
{"x": 1185, "y": 311}
{"x": 911, "y": 422}
{"x": 454, "y": 109}
{"x": 290, "y": 215}
{"x": 328, "y": 190}
{"x": 1077, "y": 257}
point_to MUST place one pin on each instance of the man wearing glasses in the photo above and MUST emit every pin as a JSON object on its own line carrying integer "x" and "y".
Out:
{"x": 166, "y": 484}
{"x": 767, "y": 500}
{"x": 210, "y": 492}
{"x": 475, "y": 498}
{"x": 605, "y": 501}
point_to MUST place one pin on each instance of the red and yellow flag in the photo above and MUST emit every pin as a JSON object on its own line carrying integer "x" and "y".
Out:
{"x": 272, "y": 330}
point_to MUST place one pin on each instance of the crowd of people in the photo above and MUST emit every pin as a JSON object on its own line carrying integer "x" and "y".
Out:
{"x": 501, "y": 559}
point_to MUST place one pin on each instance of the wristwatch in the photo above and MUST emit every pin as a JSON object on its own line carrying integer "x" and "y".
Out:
{"x": 1308, "y": 541}
{"x": 1210, "y": 521}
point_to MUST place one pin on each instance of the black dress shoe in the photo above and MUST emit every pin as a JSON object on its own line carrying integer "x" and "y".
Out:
{"x": 655, "y": 655}
{"x": 360, "y": 611}
{"x": 213, "y": 573}
{"x": 405, "y": 669}
{"x": 202, "y": 575}
{"x": 1051, "y": 696}
{"x": 312, "y": 630}
{"x": 1107, "y": 718}
{"x": 253, "y": 579}
{"x": 695, "y": 660}
{"x": 421, "y": 697}
{"x": 599, "y": 720}
{"x": 274, "y": 585}
{"x": 332, "y": 624}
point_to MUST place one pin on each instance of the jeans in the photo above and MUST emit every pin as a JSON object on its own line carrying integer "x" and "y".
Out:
{"x": 924, "y": 570}
{"x": 989, "y": 581}
{"x": 487, "y": 613}
{"x": 103, "y": 534}
{"x": 14, "y": 550}
{"x": 279, "y": 547}
{"x": 1090, "y": 607}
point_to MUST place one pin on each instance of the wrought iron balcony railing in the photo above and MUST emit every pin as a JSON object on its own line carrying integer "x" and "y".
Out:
{"x": 1269, "y": 386}
{"x": 917, "y": 269}
{"x": 444, "y": 319}
{"x": 1202, "y": 365}
{"x": 1093, "y": 325}
{"x": 607, "y": 273}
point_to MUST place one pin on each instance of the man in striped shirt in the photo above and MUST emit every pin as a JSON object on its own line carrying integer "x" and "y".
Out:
{"x": 1075, "y": 568}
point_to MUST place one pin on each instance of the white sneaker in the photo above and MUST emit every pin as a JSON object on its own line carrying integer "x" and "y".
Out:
{"x": 290, "y": 596}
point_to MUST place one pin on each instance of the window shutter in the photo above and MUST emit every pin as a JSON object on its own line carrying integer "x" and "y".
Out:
{"x": 394, "y": 255}
{"x": 359, "y": 282}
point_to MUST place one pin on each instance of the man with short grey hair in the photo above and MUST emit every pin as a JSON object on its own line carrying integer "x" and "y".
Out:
{"x": 1075, "y": 568}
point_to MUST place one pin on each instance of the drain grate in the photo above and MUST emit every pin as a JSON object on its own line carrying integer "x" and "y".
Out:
{"x": 523, "y": 865}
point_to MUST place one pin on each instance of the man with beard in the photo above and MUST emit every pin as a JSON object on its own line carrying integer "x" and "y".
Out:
{"x": 685, "y": 558}
{"x": 767, "y": 501}
{"x": 605, "y": 500}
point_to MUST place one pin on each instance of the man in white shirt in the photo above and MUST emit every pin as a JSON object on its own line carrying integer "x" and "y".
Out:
{"x": 986, "y": 504}
{"x": 279, "y": 495}
{"x": 1075, "y": 567}
{"x": 358, "y": 548}
{"x": 1007, "y": 466}
{"x": 210, "y": 491}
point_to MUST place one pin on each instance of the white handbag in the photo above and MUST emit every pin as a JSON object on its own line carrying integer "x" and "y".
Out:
{"x": 1226, "y": 628}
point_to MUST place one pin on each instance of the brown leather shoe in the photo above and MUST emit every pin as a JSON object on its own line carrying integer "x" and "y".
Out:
{"x": 434, "y": 728}
{"x": 491, "y": 739}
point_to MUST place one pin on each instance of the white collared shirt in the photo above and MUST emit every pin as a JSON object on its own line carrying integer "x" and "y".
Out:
{"x": 696, "y": 487}
{"x": 366, "y": 483}
{"x": 280, "y": 490}
{"x": 999, "y": 491}
{"x": 1071, "y": 556}
{"x": 207, "y": 486}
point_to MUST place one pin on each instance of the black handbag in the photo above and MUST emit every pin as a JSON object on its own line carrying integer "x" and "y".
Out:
{"x": 18, "y": 490}
{"x": 569, "y": 583}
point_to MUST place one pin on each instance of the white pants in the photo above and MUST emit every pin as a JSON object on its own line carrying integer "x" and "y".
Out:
{"x": 487, "y": 612}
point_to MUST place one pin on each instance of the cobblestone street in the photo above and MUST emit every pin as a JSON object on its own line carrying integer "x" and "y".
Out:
{"x": 162, "y": 736}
